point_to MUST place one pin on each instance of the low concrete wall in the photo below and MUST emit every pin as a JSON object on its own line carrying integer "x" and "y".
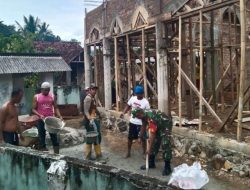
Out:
{"x": 23, "y": 168}
{"x": 210, "y": 139}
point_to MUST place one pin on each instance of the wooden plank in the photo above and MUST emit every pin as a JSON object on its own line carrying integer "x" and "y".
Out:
{"x": 196, "y": 91}
{"x": 232, "y": 111}
{"x": 129, "y": 66}
{"x": 222, "y": 97}
{"x": 201, "y": 72}
{"x": 179, "y": 71}
{"x": 213, "y": 60}
{"x": 242, "y": 66}
{"x": 96, "y": 66}
{"x": 191, "y": 55}
{"x": 116, "y": 75}
{"x": 144, "y": 64}
{"x": 220, "y": 81}
{"x": 149, "y": 84}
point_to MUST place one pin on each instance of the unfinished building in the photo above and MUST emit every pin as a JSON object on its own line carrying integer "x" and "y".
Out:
{"x": 191, "y": 56}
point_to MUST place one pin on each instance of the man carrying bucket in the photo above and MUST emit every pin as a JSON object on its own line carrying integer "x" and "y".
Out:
{"x": 44, "y": 105}
{"x": 91, "y": 124}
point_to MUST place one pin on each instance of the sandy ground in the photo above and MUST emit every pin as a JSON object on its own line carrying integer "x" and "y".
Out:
{"x": 114, "y": 147}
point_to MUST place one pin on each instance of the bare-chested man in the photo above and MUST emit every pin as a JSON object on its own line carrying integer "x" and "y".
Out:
{"x": 9, "y": 118}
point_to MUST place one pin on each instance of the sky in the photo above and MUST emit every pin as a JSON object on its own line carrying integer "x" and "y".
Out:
{"x": 65, "y": 17}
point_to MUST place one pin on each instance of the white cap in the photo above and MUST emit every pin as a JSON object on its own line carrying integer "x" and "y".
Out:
{"x": 86, "y": 88}
{"x": 45, "y": 85}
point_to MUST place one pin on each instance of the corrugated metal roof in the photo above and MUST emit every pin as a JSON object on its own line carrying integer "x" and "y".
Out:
{"x": 31, "y": 64}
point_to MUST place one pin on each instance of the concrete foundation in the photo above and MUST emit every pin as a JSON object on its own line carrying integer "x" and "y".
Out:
{"x": 23, "y": 168}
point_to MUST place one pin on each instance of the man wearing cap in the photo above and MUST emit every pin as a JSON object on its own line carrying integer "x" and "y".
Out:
{"x": 44, "y": 105}
{"x": 91, "y": 122}
{"x": 135, "y": 123}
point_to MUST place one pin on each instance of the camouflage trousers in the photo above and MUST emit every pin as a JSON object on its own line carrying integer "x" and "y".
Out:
{"x": 166, "y": 147}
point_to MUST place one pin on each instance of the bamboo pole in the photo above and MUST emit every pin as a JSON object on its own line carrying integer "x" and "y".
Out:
{"x": 201, "y": 73}
{"x": 116, "y": 75}
{"x": 242, "y": 67}
{"x": 179, "y": 73}
{"x": 144, "y": 64}
{"x": 129, "y": 66}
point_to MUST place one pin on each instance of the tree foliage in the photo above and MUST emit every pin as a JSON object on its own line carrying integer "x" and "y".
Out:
{"x": 39, "y": 29}
{"x": 21, "y": 40}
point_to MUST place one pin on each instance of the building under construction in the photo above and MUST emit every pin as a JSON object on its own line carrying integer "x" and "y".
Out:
{"x": 191, "y": 56}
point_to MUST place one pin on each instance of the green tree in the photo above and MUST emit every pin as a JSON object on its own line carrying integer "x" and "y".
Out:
{"x": 6, "y": 30}
{"x": 40, "y": 29}
{"x": 21, "y": 44}
{"x": 30, "y": 25}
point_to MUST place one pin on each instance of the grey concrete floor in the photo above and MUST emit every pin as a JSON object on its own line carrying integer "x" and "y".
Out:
{"x": 114, "y": 148}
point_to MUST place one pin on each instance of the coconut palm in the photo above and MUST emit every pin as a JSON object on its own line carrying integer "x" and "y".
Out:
{"x": 30, "y": 25}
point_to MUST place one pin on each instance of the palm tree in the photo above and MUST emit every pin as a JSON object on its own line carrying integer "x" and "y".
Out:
{"x": 43, "y": 31}
{"x": 30, "y": 25}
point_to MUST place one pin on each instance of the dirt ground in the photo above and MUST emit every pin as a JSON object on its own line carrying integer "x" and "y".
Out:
{"x": 114, "y": 147}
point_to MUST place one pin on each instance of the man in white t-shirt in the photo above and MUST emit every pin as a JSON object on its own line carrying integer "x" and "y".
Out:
{"x": 135, "y": 124}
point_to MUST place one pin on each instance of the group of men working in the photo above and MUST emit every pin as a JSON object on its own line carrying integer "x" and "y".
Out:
{"x": 43, "y": 105}
{"x": 144, "y": 123}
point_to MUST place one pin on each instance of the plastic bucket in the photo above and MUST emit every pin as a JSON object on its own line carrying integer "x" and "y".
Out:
{"x": 91, "y": 137}
{"x": 53, "y": 124}
{"x": 30, "y": 137}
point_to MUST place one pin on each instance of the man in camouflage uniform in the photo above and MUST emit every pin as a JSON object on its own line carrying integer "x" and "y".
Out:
{"x": 159, "y": 127}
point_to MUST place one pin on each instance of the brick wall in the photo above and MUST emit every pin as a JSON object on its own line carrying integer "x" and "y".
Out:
{"x": 126, "y": 10}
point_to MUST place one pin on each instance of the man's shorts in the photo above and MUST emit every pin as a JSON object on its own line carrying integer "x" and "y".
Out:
{"x": 11, "y": 138}
{"x": 133, "y": 131}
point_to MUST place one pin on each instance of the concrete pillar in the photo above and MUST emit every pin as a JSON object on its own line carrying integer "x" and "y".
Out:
{"x": 107, "y": 73}
{"x": 162, "y": 70}
{"x": 87, "y": 66}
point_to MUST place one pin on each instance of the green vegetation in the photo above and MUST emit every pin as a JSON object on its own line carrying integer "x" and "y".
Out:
{"x": 21, "y": 40}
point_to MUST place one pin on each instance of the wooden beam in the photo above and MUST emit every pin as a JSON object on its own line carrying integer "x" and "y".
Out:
{"x": 222, "y": 97}
{"x": 179, "y": 71}
{"x": 144, "y": 64}
{"x": 213, "y": 61}
{"x": 149, "y": 84}
{"x": 230, "y": 57}
{"x": 208, "y": 8}
{"x": 96, "y": 66}
{"x": 129, "y": 66}
{"x": 220, "y": 83}
{"x": 150, "y": 70}
{"x": 196, "y": 91}
{"x": 201, "y": 72}
{"x": 117, "y": 67}
{"x": 242, "y": 66}
{"x": 231, "y": 113}
{"x": 193, "y": 77}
